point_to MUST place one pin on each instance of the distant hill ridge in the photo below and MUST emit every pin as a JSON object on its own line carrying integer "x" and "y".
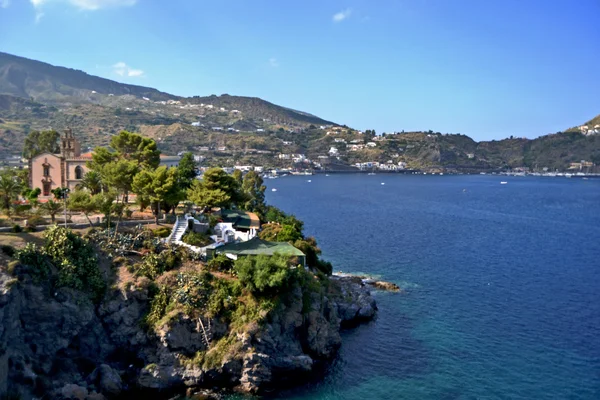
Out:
{"x": 47, "y": 83}
{"x": 230, "y": 129}
{"x": 44, "y": 82}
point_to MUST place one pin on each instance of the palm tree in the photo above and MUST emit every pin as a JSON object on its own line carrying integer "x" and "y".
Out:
{"x": 51, "y": 207}
{"x": 10, "y": 188}
{"x": 92, "y": 182}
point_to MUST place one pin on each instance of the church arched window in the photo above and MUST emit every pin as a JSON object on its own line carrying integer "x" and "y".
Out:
{"x": 78, "y": 172}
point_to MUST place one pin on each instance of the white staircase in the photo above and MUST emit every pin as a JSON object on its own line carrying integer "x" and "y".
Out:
{"x": 179, "y": 229}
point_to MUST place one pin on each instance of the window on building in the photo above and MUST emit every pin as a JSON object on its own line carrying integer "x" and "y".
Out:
{"x": 46, "y": 189}
{"x": 46, "y": 170}
{"x": 78, "y": 172}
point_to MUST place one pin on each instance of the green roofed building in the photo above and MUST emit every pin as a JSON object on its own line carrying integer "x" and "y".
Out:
{"x": 241, "y": 219}
{"x": 255, "y": 247}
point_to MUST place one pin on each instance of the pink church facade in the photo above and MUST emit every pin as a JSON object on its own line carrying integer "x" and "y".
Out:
{"x": 50, "y": 171}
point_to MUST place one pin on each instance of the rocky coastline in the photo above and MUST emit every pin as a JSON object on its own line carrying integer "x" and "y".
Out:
{"x": 58, "y": 344}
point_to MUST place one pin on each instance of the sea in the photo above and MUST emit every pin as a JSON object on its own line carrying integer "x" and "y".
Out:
{"x": 500, "y": 283}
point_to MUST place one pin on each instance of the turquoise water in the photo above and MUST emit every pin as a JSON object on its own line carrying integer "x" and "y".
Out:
{"x": 502, "y": 284}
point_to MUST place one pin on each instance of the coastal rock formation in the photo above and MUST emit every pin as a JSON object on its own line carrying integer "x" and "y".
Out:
{"x": 59, "y": 344}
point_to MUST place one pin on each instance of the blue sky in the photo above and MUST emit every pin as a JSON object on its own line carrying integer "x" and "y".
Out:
{"x": 488, "y": 69}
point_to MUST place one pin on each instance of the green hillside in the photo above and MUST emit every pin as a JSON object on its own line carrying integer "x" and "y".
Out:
{"x": 228, "y": 130}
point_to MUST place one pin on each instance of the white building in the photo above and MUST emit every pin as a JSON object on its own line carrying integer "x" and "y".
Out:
{"x": 169, "y": 161}
{"x": 333, "y": 151}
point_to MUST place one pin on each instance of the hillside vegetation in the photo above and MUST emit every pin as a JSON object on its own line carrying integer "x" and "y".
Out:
{"x": 228, "y": 130}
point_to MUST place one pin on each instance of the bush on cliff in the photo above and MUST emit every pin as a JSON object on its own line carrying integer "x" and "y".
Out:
{"x": 220, "y": 263}
{"x": 73, "y": 258}
{"x": 263, "y": 274}
{"x": 76, "y": 261}
{"x": 153, "y": 265}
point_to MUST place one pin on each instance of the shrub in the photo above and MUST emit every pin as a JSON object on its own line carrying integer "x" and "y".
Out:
{"x": 193, "y": 288}
{"x": 324, "y": 266}
{"x": 262, "y": 274}
{"x": 36, "y": 260}
{"x": 162, "y": 232}
{"x": 213, "y": 220}
{"x": 35, "y": 221}
{"x": 150, "y": 266}
{"x": 76, "y": 261}
{"x": 8, "y": 250}
{"x": 29, "y": 229}
{"x": 223, "y": 296}
{"x": 16, "y": 228}
{"x": 220, "y": 263}
{"x": 154, "y": 265}
{"x": 196, "y": 239}
{"x": 12, "y": 266}
{"x": 158, "y": 306}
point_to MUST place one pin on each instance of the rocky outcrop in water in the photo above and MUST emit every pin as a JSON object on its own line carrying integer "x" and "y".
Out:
{"x": 57, "y": 344}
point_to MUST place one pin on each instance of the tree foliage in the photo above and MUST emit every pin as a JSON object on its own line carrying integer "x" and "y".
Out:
{"x": 135, "y": 147}
{"x": 264, "y": 274}
{"x": 105, "y": 204}
{"x": 203, "y": 197}
{"x": 254, "y": 190}
{"x": 188, "y": 170}
{"x": 217, "y": 179}
{"x": 158, "y": 186}
{"x": 52, "y": 208}
{"x": 280, "y": 233}
{"x": 91, "y": 181}
{"x": 11, "y": 187}
{"x": 81, "y": 200}
{"x": 75, "y": 259}
{"x": 38, "y": 142}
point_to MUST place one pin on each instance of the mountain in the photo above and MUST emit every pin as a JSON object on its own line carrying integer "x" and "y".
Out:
{"x": 43, "y": 82}
{"x": 228, "y": 130}
{"x": 590, "y": 127}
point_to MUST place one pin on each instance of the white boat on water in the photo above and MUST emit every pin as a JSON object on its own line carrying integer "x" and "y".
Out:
{"x": 503, "y": 183}
{"x": 383, "y": 183}
{"x": 309, "y": 181}
{"x": 371, "y": 173}
{"x": 273, "y": 190}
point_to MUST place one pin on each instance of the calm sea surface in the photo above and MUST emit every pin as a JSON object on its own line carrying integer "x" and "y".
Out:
{"x": 502, "y": 283}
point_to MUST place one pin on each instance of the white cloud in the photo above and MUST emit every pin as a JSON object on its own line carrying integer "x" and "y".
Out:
{"x": 273, "y": 62}
{"x": 98, "y": 4}
{"x": 89, "y": 5}
{"x": 123, "y": 69}
{"x": 4, "y": 3}
{"x": 38, "y": 16}
{"x": 342, "y": 15}
{"x": 135, "y": 72}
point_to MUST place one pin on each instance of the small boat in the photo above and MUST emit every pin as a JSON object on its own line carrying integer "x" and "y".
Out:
{"x": 273, "y": 190}
{"x": 309, "y": 181}
{"x": 326, "y": 174}
{"x": 383, "y": 183}
{"x": 503, "y": 183}
{"x": 371, "y": 173}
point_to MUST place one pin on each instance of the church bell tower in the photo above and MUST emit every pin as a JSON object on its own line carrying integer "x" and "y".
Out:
{"x": 70, "y": 146}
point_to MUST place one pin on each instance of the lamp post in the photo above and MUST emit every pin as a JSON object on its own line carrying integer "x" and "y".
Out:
{"x": 65, "y": 192}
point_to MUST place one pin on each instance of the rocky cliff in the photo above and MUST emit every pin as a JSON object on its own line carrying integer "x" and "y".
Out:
{"x": 57, "y": 344}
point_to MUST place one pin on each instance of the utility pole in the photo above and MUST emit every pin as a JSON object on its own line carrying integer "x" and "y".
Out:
{"x": 65, "y": 191}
